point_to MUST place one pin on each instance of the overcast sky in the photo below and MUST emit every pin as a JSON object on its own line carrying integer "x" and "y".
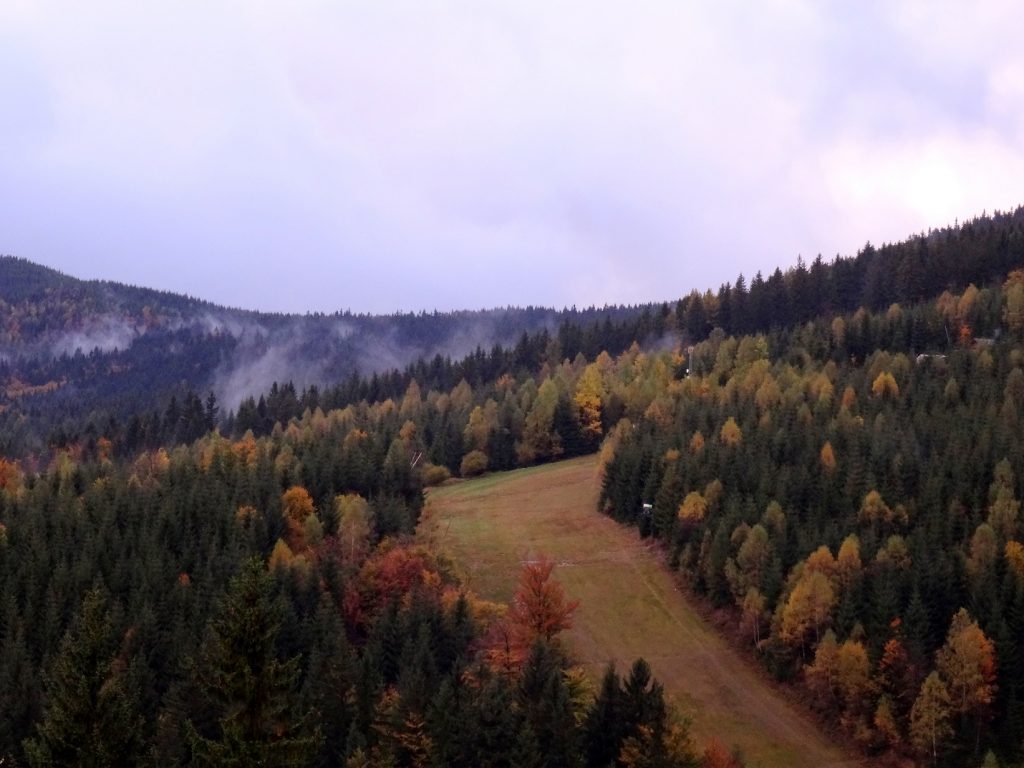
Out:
{"x": 384, "y": 155}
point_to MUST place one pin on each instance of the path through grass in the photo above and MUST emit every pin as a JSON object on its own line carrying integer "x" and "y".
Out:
{"x": 629, "y": 605}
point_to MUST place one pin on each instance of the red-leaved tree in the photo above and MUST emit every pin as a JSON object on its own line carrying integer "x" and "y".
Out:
{"x": 539, "y": 608}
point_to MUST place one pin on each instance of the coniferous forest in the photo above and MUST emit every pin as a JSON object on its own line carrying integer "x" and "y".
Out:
{"x": 832, "y": 458}
{"x": 263, "y": 602}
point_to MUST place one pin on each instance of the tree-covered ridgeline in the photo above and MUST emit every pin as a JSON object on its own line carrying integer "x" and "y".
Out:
{"x": 954, "y": 320}
{"x": 855, "y": 512}
{"x": 176, "y": 347}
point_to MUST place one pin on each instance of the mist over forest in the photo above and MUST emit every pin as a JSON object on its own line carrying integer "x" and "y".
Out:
{"x": 65, "y": 340}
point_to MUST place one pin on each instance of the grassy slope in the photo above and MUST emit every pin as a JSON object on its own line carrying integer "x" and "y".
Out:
{"x": 629, "y": 605}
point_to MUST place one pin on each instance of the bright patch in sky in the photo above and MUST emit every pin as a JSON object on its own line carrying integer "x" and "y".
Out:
{"x": 419, "y": 155}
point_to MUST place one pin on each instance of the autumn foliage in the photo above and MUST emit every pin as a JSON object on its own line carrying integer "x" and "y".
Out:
{"x": 11, "y": 476}
{"x": 717, "y": 756}
{"x": 539, "y": 608}
{"x": 885, "y": 385}
{"x": 538, "y": 611}
{"x": 300, "y": 518}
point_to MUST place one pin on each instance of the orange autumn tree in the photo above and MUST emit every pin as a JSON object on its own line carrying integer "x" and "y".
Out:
{"x": 693, "y": 509}
{"x": 828, "y": 457}
{"x": 298, "y": 511}
{"x": 11, "y": 476}
{"x": 539, "y": 609}
{"x": 297, "y": 504}
{"x": 717, "y": 756}
{"x": 731, "y": 434}
{"x": 898, "y": 678}
{"x": 393, "y": 572}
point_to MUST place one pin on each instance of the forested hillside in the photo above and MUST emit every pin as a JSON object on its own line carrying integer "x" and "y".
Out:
{"x": 832, "y": 457}
{"x": 262, "y": 602}
{"x": 856, "y": 509}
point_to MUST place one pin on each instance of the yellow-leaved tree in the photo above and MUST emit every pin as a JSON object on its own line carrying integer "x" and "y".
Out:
{"x": 967, "y": 665}
{"x": 885, "y": 385}
{"x": 1003, "y": 508}
{"x": 848, "y": 563}
{"x": 1013, "y": 301}
{"x": 539, "y": 440}
{"x": 984, "y": 553}
{"x": 483, "y": 420}
{"x": 693, "y": 509}
{"x": 590, "y": 390}
{"x": 808, "y": 609}
{"x": 930, "y": 718}
{"x": 353, "y": 518}
{"x": 731, "y": 434}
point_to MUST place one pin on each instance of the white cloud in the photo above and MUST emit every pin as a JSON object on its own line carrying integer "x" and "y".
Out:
{"x": 410, "y": 154}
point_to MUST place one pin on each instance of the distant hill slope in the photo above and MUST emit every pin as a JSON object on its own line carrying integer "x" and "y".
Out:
{"x": 46, "y": 313}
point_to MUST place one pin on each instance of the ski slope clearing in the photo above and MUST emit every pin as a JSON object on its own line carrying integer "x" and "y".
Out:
{"x": 629, "y": 605}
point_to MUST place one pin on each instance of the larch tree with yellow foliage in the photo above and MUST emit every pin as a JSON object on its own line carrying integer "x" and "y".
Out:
{"x": 693, "y": 509}
{"x": 930, "y": 717}
{"x": 590, "y": 391}
{"x": 1013, "y": 301}
{"x": 885, "y": 386}
{"x": 967, "y": 664}
{"x": 808, "y": 610}
{"x": 731, "y": 434}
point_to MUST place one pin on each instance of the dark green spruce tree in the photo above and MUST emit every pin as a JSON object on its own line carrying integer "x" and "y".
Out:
{"x": 252, "y": 690}
{"x": 602, "y": 730}
{"x": 91, "y": 717}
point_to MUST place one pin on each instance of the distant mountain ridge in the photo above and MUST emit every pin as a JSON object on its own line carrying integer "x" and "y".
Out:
{"x": 91, "y": 345}
{"x": 76, "y": 355}
{"x": 39, "y": 305}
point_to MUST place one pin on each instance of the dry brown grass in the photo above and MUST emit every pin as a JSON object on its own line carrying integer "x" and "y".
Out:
{"x": 629, "y": 604}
